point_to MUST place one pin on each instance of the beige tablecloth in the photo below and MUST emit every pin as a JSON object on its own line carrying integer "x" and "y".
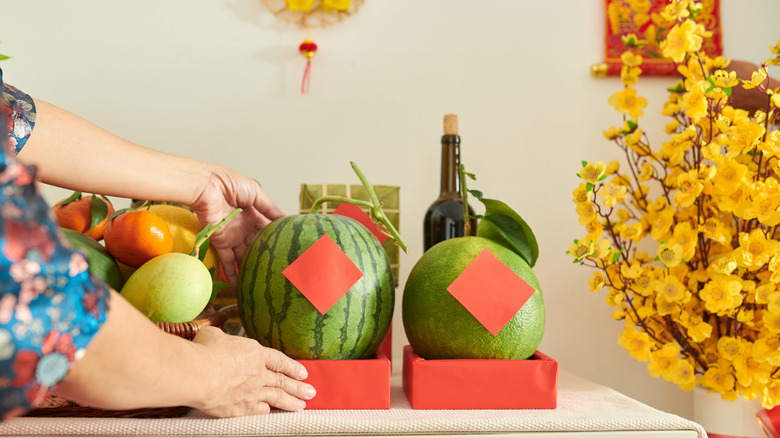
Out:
{"x": 582, "y": 406}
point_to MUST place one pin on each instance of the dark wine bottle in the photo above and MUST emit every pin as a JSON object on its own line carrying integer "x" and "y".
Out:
{"x": 444, "y": 219}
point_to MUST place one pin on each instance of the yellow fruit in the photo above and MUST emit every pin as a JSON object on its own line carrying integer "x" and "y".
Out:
{"x": 185, "y": 226}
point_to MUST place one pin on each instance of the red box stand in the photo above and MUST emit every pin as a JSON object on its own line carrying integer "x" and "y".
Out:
{"x": 349, "y": 384}
{"x": 480, "y": 383}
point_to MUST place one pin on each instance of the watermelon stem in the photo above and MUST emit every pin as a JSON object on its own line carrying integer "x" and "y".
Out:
{"x": 374, "y": 208}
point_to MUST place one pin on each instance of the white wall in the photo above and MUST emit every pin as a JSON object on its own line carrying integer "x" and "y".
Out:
{"x": 219, "y": 81}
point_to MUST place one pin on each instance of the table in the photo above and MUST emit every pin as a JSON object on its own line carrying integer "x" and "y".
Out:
{"x": 585, "y": 409}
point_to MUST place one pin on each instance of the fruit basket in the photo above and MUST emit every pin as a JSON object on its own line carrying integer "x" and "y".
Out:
{"x": 56, "y": 406}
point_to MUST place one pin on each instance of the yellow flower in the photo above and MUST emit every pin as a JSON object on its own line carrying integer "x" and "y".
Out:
{"x": 587, "y": 213}
{"x": 300, "y": 5}
{"x": 755, "y": 249}
{"x": 721, "y": 295}
{"x": 684, "y": 235}
{"x": 646, "y": 172}
{"x": 661, "y": 222}
{"x": 671, "y": 289}
{"x": 776, "y": 100}
{"x": 612, "y": 193}
{"x": 683, "y": 375}
{"x": 764, "y": 292}
{"x": 612, "y": 167}
{"x": 630, "y": 75}
{"x": 664, "y": 359}
{"x": 698, "y": 330}
{"x": 614, "y": 297}
{"x": 683, "y": 38}
{"x": 595, "y": 229}
{"x": 688, "y": 188}
{"x": 581, "y": 194}
{"x": 630, "y": 270}
{"x": 717, "y": 379}
{"x": 632, "y": 232}
{"x": 771, "y": 322}
{"x": 729, "y": 174}
{"x": 597, "y": 282}
{"x": 764, "y": 204}
{"x": 612, "y": 133}
{"x": 730, "y": 347}
{"x": 592, "y": 172}
{"x": 675, "y": 10}
{"x": 756, "y": 79}
{"x": 724, "y": 79}
{"x": 670, "y": 256}
{"x": 716, "y": 230}
{"x": 627, "y": 102}
{"x": 335, "y": 5}
{"x": 723, "y": 265}
{"x": 637, "y": 343}
{"x": 602, "y": 250}
{"x": 767, "y": 349}
{"x": 694, "y": 102}
{"x": 581, "y": 249}
{"x": 631, "y": 59}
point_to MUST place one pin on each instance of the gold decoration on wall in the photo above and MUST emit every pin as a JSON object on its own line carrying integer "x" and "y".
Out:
{"x": 313, "y": 13}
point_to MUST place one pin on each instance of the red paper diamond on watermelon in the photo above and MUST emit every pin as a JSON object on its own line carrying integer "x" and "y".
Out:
{"x": 355, "y": 212}
{"x": 490, "y": 291}
{"x": 323, "y": 273}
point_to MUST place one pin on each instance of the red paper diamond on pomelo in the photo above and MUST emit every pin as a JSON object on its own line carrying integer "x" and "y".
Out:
{"x": 323, "y": 273}
{"x": 355, "y": 212}
{"x": 490, "y": 291}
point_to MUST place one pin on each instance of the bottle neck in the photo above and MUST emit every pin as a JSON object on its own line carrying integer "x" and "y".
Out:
{"x": 450, "y": 165}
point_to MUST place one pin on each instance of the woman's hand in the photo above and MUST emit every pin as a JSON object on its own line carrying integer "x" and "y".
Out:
{"x": 254, "y": 378}
{"x": 225, "y": 191}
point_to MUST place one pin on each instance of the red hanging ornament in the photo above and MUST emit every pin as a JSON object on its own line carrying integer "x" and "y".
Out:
{"x": 307, "y": 48}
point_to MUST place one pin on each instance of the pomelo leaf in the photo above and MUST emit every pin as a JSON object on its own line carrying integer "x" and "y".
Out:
{"x": 503, "y": 225}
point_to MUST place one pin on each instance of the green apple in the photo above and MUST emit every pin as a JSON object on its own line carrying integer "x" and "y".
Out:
{"x": 172, "y": 287}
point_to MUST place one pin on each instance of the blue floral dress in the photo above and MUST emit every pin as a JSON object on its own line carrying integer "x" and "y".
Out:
{"x": 50, "y": 306}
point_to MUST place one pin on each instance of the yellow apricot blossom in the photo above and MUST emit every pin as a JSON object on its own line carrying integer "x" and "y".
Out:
{"x": 721, "y": 295}
{"x": 592, "y": 172}
{"x": 597, "y": 282}
{"x": 681, "y": 39}
{"x": 755, "y": 249}
{"x": 627, "y": 102}
{"x": 670, "y": 255}
{"x": 612, "y": 193}
{"x": 688, "y": 188}
{"x": 637, "y": 343}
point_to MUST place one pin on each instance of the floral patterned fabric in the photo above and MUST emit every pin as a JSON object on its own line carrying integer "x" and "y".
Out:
{"x": 50, "y": 306}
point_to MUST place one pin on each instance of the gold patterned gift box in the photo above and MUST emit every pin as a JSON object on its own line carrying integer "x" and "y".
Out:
{"x": 388, "y": 197}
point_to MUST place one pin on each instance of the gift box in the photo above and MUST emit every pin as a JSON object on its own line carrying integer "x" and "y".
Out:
{"x": 349, "y": 384}
{"x": 480, "y": 383}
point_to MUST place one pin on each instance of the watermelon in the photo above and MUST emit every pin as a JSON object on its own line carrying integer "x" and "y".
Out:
{"x": 275, "y": 313}
{"x": 100, "y": 261}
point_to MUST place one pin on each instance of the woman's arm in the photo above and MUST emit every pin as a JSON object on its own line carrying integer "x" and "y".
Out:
{"x": 73, "y": 153}
{"x": 133, "y": 364}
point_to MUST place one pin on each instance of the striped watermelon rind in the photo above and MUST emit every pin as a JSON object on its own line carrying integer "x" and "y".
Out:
{"x": 274, "y": 312}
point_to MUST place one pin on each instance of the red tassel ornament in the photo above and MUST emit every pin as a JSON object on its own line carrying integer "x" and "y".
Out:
{"x": 307, "y": 48}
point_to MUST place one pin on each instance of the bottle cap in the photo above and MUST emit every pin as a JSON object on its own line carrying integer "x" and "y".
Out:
{"x": 450, "y": 124}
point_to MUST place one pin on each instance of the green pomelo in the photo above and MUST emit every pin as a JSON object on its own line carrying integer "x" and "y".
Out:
{"x": 101, "y": 263}
{"x": 172, "y": 287}
{"x": 275, "y": 313}
{"x": 439, "y": 327}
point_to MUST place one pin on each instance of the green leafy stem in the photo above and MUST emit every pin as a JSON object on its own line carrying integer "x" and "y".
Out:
{"x": 499, "y": 223}
{"x": 374, "y": 208}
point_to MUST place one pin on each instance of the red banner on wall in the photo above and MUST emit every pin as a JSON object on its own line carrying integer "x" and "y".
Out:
{"x": 643, "y": 19}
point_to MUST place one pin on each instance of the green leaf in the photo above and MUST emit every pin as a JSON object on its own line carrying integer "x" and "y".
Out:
{"x": 503, "y": 225}
{"x": 217, "y": 287}
{"x": 3, "y": 57}
{"x": 616, "y": 256}
{"x": 476, "y": 193}
{"x": 603, "y": 177}
{"x": 118, "y": 212}
{"x": 727, "y": 91}
{"x": 75, "y": 196}
{"x": 588, "y": 187}
{"x": 584, "y": 164}
{"x": 98, "y": 212}
{"x": 470, "y": 175}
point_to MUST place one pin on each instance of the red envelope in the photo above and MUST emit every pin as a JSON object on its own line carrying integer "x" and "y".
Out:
{"x": 490, "y": 291}
{"x": 323, "y": 273}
